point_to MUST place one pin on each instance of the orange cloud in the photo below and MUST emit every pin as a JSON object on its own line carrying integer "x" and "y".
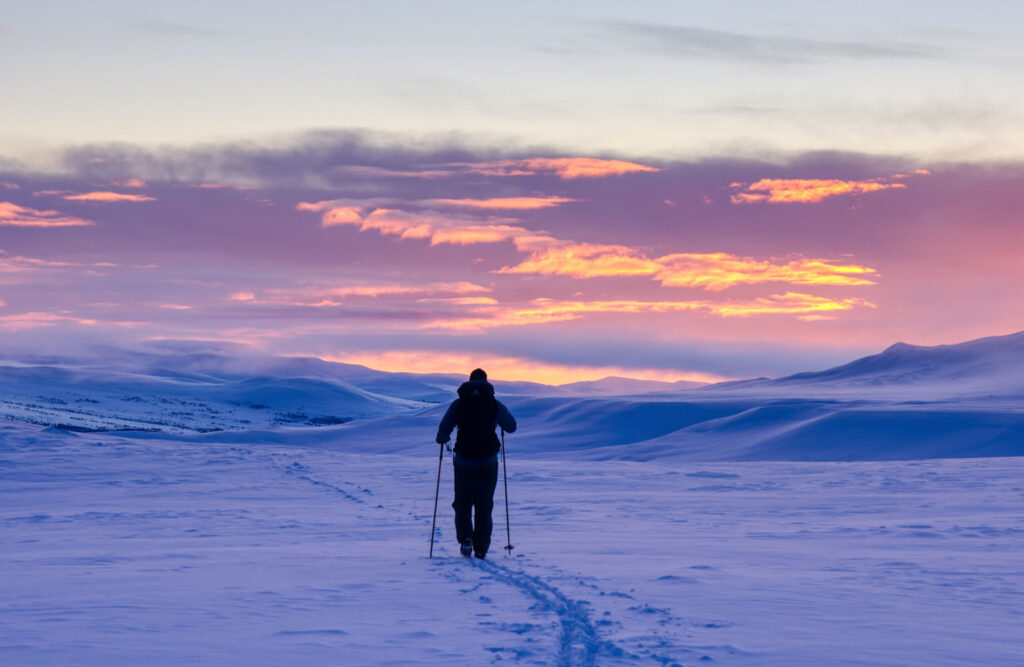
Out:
{"x": 544, "y": 311}
{"x": 108, "y": 197}
{"x": 436, "y": 228}
{"x": 718, "y": 271}
{"x": 552, "y": 256}
{"x": 804, "y": 190}
{"x": 710, "y": 271}
{"x": 788, "y": 303}
{"x": 507, "y": 203}
{"x": 12, "y": 215}
{"x": 586, "y": 260}
{"x": 510, "y": 369}
{"x": 131, "y": 183}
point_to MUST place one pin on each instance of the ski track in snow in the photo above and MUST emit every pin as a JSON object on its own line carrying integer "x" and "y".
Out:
{"x": 578, "y": 641}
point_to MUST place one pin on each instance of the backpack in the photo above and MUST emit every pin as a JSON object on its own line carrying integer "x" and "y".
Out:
{"x": 478, "y": 412}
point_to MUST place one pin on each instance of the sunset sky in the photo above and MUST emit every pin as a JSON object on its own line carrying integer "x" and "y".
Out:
{"x": 555, "y": 191}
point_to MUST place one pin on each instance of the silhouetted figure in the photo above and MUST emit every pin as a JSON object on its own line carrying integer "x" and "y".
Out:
{"x": 476, "y": 413}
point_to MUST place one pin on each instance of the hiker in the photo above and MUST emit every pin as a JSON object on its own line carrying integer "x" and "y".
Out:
{"x": 476, "y": 413}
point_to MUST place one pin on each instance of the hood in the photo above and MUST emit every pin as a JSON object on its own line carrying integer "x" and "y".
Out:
{"x": 476, "y": 387}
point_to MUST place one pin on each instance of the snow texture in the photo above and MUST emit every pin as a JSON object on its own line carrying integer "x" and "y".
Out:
{"x": 866, "y": 515}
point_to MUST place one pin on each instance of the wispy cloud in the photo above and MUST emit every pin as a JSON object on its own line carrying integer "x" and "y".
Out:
{"x": 503, "y": 203}
{"x": 156, "y": 26}
{"x": 566, "y": 168}
{"x": 437, "y": 228}
{"x": 19, "y": 264}
{"x": 544, "y": 311}
{"x": 12, "y": 215}
{"x": 694, "y": 42}
{"x": 808, "y": 190}
{"x": 108, "y": 197}
{"x": 335, "y": 295}
{"x": 710, "y": 271}
{"x": 35, "y": 320}
{"x": 718, "y": 271}
{"x": 586, "y": 260}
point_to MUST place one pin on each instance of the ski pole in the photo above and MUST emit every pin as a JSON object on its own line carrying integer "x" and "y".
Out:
{"x": 437, "y": 492}
{"x": 504, "y": 476}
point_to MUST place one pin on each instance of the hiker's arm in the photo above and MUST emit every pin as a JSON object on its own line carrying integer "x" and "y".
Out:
{"x": 505, "y": 419}
{"x": 444, "y": 431}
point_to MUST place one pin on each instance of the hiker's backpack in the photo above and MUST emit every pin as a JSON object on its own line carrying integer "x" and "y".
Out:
{"x": 478, "y": 412}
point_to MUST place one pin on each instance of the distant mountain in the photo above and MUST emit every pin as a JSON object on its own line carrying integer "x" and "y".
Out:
{"x": 981, "y": 367}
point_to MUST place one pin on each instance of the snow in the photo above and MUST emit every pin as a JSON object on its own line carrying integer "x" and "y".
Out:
{"x": 864, "y": 515}
{"x": 142, "y": 550}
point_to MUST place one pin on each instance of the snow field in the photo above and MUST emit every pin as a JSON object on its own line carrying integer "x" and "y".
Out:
{"x": 139, "y": 550}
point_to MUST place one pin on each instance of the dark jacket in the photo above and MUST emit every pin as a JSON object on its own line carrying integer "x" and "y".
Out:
{"x": 476, "y": 413}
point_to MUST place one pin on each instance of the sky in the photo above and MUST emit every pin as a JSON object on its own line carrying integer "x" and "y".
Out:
{"x": 555, "y": 191}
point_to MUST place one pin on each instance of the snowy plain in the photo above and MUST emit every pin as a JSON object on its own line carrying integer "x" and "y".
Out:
{"x": 648, "y": 529}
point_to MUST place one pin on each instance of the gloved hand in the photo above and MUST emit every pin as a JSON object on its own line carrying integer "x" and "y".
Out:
{"x": 440, "y": 439}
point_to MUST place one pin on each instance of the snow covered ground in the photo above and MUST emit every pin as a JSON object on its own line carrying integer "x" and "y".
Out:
{"x": 200, "y": 507}
{"x": 146, "y": 550}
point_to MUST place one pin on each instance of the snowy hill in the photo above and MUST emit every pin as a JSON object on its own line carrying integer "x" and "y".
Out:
{"x": 992, "y": 366}
{"x": 906, "y": 402}
{"x": 85, "y": 398}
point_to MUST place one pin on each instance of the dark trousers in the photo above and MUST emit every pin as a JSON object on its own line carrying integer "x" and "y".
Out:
{"x": 474, "y": 491}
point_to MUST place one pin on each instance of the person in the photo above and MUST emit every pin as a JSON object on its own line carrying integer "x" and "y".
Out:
{"x": 476, "y": 413}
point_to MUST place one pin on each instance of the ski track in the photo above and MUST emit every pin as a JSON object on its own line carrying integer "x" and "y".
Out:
{"x": 578, "y": 642}
{"x": 298, "y": 470}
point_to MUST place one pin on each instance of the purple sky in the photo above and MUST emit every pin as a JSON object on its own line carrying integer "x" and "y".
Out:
{"x": 442, "y": 255}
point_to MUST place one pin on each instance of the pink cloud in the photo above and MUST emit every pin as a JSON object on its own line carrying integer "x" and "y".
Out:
{"x": 9, "y": 186}
{"x": 507, "y": 203}
{"x": 130, "y": 183}
{"x": 12, "y": 215}
{"x": 566, "y": 168}
{"x": 108, "y": 197}
{"x": 336, "y": 295}
{"x": 434, "y": 227}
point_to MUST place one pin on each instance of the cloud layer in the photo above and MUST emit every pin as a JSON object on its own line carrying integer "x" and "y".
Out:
{"x": 345, "y": 248}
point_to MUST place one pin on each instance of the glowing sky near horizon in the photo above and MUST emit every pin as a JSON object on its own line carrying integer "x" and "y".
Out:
{"x": 563, "y": 191}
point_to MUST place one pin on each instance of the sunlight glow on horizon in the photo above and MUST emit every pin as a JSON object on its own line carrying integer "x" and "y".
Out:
{"x": 511, "y": 369}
